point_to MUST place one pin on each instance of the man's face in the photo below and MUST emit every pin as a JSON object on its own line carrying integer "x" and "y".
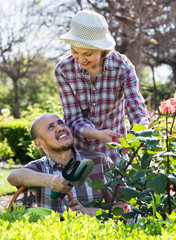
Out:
{"x": 55, "y": 135}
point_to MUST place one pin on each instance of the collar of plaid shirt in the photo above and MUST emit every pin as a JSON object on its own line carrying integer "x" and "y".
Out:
{"x": 59, "y": 166}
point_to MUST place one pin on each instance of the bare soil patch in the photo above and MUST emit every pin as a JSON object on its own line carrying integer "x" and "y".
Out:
{"x": 5, "y": 200}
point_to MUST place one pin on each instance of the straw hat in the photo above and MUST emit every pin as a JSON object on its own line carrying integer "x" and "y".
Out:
{"x": 89, "y": 30}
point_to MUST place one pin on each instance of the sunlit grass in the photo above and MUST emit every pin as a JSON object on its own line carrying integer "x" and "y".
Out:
{"x": 5, "y": 186}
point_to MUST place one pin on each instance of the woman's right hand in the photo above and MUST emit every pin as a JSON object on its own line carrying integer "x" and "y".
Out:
{"x": 108, "y": 135}
{"x": 105, "y": 135}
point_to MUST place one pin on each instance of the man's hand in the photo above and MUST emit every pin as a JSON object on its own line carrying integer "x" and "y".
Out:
{"x": 59, "y": 184}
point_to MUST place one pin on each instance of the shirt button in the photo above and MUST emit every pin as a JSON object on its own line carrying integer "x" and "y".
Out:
{"x": 94, "y": 104}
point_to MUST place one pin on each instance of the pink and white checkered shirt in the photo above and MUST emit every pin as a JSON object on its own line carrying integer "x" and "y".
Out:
{"x": 102, "y": 105}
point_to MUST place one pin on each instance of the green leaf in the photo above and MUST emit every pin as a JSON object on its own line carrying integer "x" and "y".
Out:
{"x": 124, "y": 142}
{"x": 131, "y": 173}
{"x": 146, "y": 191}
{"x": 146, "y": 133}
{"x": 138, "y": 127}
{"x": 129, "y": 215}
{"x": 159, "y": 216}
{"x": 117, "y": 211}
{"x": 141, "y": 173}
{"x": 40, "y": 212}
{"x": 145, "y": 161}
{"x": 154, "y": 123}
{"x": 97, "y": 184}
{"x": 118, "y": 181}
{"x": 138, "y": 211}
{"x": 114, "y": 145}
{"x": 130, "y": 136}
{"x": 145, "y": 199}
{"x": 158, "y": 183}
{"x": 129, "y": 192}
{"x": 149, "y": 141}
{"x": 133, "y": 181}
{"x": 172, "y": 141}
{"x": 134, "y": 143}
{"x": 171, "y": 154}
{"x": 99, "y": 212}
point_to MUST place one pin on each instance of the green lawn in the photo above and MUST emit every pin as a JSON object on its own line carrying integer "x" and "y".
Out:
{"x": 5, "y": 186}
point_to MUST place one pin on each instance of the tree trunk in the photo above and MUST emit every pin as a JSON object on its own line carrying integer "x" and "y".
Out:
{"x": 154, "y": 89}
{"x": 134, "y": 56}
{"x": 16, "y": 98}
{"x": 174, "y": 72}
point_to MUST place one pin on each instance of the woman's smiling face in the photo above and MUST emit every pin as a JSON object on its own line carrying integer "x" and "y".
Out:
{"x": 87, "y": 58}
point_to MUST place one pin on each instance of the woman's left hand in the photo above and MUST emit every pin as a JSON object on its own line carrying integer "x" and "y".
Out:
{"x": 75, "y": 205}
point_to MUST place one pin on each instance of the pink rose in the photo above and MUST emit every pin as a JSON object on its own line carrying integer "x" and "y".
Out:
{"x": 166, "y": 107}
{"x": 173, "y": 100}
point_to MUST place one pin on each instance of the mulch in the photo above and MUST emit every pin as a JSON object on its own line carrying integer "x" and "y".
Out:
{"x": 4, "y": 165}
{"x": 5, "y": 200}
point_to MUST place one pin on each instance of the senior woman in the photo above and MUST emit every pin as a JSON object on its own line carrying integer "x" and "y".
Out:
{"x": 97, "y": 86}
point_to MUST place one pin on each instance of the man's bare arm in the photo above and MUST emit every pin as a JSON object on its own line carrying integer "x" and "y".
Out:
{"x": 30, "y": 178}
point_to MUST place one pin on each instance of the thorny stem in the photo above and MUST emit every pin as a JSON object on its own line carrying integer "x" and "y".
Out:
{"x": 134, "y": 154}
{"x": 113, "y": 198}
{"x": 116, "y": 188}
{"x": 173, "y": 123}
{"x": 168, "y": 166}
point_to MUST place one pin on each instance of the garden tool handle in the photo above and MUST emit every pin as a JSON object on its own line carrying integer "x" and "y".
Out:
{"x": 70, "y": 196}
{"x": 17, "y": 193}
{"x": 60, "y": 196}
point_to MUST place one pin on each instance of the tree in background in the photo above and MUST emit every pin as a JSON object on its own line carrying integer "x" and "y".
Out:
{"x": 24, "y": 68}
{"x": 20, "y": 48}
{"x": 162, "y": 47}
{"x": 165, "y": 89}
{"x": 143, "y": 30}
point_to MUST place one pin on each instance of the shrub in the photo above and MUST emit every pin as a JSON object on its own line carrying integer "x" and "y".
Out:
{"x": 17, "y": 134}
{"x": 5, "y": 150}
{"x": 34, "y": 152}
{"x": 18, "y": 225}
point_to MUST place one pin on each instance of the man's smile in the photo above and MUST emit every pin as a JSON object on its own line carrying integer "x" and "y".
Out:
{"x": 62, "y": 135}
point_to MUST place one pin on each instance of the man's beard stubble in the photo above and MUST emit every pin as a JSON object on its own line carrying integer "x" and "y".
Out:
{"x": 62, "y": 149}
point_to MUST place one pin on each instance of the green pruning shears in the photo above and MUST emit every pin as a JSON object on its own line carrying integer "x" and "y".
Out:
{"x": 76, "y": 172}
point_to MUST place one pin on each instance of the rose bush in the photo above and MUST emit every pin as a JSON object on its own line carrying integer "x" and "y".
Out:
{"x": 150, "y": 170}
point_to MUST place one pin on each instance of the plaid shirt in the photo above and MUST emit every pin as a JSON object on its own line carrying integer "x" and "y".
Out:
{"x": 82, "y": 193}
{"x": 103, "y": 104}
